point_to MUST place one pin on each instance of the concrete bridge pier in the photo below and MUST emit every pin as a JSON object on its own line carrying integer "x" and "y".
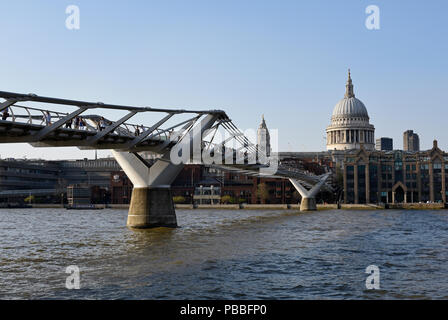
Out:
{"x": 308, "y": 202}
{"x": 151, "y": 207}
{"x": 152, "y": 202}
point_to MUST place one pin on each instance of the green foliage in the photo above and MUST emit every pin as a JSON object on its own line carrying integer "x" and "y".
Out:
{"x": 233, "y": 200}
{"x": 30, "y": 199}
{"x": 179, "y": 199}
{"x": 227, "y": 199}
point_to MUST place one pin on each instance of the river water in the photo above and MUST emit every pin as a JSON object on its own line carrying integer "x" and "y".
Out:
{"x": 223, "y": 254}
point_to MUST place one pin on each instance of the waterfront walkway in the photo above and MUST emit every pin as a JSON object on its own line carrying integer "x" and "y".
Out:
{"x": 408, "y": 206}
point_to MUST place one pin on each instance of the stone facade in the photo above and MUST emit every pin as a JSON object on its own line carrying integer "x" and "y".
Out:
{"x": 395, "y": 176}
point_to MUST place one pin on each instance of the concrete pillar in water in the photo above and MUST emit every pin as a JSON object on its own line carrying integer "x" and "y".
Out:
{"x": 308, "y": 202}
{"x": 151, "y": 207}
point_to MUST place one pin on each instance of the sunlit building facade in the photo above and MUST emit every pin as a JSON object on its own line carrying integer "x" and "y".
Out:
{"x": 395, "y": 176}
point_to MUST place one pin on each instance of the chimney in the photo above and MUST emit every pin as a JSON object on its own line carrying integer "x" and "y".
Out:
{"x": 434, "y": 144}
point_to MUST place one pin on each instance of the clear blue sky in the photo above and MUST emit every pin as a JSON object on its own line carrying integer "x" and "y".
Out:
{"x": 287, "y": 60}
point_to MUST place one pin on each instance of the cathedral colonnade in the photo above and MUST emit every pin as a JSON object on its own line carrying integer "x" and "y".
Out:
{"x": 342, "y": 136}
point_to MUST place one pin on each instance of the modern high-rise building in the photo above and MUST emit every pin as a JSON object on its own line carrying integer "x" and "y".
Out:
{"x": 411, "y": 141}
{"x": 384, "y": 144}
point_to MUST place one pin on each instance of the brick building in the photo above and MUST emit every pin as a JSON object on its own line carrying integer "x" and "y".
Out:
{"x": 194, "y": 181}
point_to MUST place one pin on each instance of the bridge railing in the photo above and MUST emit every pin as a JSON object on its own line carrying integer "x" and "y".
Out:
{"x": 51, "y": 120}
{"x": 30, "y": 116}
{"x": 37, "y": 116}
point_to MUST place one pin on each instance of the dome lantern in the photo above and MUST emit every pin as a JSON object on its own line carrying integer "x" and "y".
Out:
{"x": 349, "y": 93}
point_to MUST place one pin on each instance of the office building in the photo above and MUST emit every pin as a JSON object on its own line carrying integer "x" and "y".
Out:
{"x": 411, "y": 141}
{"x": 384, "y": 144}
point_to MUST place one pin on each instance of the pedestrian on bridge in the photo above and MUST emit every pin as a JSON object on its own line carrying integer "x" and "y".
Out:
{"x": 48, "y": 118}
{"x": 68, "y": 124}
{"x": 82, "y": 124}
{"x": 77, "y": 120}
{"x": 5, "y": 114}
{"x": 102, "y": 124}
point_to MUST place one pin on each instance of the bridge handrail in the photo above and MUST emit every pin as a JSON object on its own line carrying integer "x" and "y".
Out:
{"x": 124, "y": 128}
{"x": 57, "y": 115}
{"x": 54, "y": 120}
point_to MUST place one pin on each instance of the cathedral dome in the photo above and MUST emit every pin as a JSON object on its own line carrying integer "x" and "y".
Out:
{"x": 350, "y": 108}
{"x": 350, "y": 127}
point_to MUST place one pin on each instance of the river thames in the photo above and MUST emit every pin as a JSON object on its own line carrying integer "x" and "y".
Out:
{"x": 223, "y": 254}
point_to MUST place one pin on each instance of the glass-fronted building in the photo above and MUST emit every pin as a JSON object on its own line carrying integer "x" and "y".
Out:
{"x": 395, "y": 176}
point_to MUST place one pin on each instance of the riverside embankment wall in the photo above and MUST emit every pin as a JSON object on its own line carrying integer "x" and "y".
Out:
{"x": 407, "y": 206}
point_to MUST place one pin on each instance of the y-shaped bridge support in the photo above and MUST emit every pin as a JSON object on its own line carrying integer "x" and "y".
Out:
{"x": 309, "y": 196}
{"x": 151, "y": 202}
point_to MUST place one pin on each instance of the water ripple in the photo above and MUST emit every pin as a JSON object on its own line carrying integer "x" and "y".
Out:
{"x": 242, "y": 254}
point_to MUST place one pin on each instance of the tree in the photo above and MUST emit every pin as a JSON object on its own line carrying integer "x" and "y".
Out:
{"x": 226, "y": 199}
{"x": 263, "y": 192}
{"x": 233, "y": 200}
{"x": 30, "y": 199}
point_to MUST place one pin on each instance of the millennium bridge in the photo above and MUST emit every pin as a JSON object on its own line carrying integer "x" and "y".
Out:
{"x": 175, "y": 136}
